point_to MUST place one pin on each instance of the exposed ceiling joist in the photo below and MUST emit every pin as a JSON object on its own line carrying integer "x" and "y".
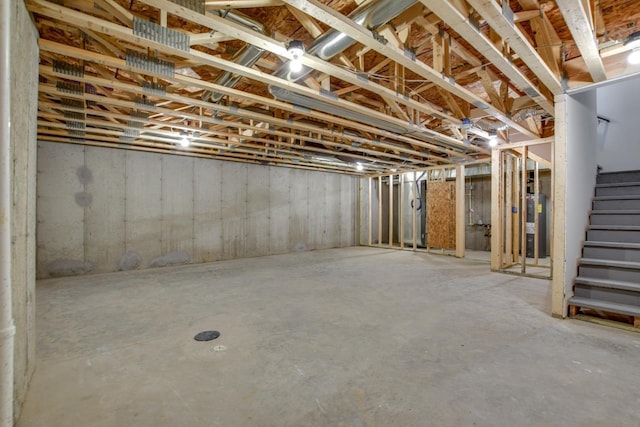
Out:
{"x": 357, "y": 32}
{"x": 577, "y": 15}
{"x": 458, "y": 20}
{"x": 502, "y": 24}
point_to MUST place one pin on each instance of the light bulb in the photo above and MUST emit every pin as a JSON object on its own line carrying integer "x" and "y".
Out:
{"x": 185, "y": 141}
{"x": 359, "y": 166}
{"x": 634, "y": 57}
{"x": 295, "y": 65}
{"x": 493, "y": 142}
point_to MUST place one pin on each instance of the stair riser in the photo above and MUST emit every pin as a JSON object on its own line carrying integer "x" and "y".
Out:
{"x": 613, "y": 254}
{"x": 622, "y": 219}
{"x": 610, "y": 273}
{"x": 632, "y": 204}
{"x": 633, "y": 190}
{"x": 614, "y": 178}
{"x": 613, "y": 236}
{"x": 607, "y": 294}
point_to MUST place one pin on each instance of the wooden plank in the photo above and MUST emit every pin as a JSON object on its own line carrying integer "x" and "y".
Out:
{"x": 391, "y": 210}
{"x": 401, "y": 213}
{"x": 523, "y": 209}
{"x": 460, "y": 211}
{"x": 340, "y": 22}
{"x": 507, "y": 213}
{"x": 559, "y": 172}
{"x": 369, "y": 219}
{"x": 492, "y": 13}
{"x": 441, "y": 202}
{"x": 487, "y": 84}
{"x": 414, "y": 222}
{"x": 496, "y": 210}
{"x": 580, "y": 24}
{"x": 380, "y": 211}
{"x": 457, "y": 19}
{"x": 536, "y": 198}
{"x": 84, "y": 21}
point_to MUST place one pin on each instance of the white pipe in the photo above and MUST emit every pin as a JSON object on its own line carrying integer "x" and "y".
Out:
{"x": 7, "y": 328}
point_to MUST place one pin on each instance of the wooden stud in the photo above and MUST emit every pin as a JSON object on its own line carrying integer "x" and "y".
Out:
{"x": 369, "y": 228}
{"x": 496, "y": 210}
{"x": 391, "y": 210}
{"x": 380, "y": 211}
{"x": 536, "y": 215}
{"x": 460, "y": 211}
{"x": 414, "y": 222}
{"x": 508, "y": 213}
{"x": 523, "y": 208}
{"x": 401, "y": 211}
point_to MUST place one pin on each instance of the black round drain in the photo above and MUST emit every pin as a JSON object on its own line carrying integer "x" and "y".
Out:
{"x": 206, "y": 336}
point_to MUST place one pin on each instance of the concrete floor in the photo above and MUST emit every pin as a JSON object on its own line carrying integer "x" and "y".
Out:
{"x": 345, "y": 337}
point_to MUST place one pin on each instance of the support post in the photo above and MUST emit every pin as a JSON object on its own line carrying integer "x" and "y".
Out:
{"x": 523, "y": 208}
{"x": 415, "y": 210}
{"x": 380, "y": 211}
{"x": 391, "y": 210}
{"x": 370, "y": 203}
{"x": 496, "y": 209}
{"x": 460, "y": 212}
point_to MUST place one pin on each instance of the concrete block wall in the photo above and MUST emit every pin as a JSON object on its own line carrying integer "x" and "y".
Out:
{"x": 96, "y": 204}
{"x": 24, "y": 108}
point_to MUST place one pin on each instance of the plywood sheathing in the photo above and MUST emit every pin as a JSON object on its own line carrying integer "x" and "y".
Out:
{"x": 441, "y": 214}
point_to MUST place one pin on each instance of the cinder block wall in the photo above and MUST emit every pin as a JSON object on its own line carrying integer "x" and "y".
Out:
{"x": 103, "y": 209}
{"x": 24, "y": 110}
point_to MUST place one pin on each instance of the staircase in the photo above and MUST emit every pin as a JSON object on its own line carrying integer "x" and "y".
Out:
{"x": 609, "y": 270}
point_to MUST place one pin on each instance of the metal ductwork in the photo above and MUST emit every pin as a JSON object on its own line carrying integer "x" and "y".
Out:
{"x": 247, "y": 56}
{"x": 331, "y": 43}
{"x": 491, "y": 125}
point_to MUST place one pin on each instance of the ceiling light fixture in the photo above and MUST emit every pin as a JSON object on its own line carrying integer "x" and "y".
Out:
{"x": 184, "y": 140}
{"x": 633, "y": 42}
{"x": 296, "y": 50}
{"x": 493, "y": 139}
{"x": 359, "y": 166}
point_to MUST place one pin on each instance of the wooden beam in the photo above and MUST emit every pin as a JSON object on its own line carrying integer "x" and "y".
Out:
{"x": 240, "y": 4}
{"x": 84, "y": 21}
{"x": 496, "y": 210}
{"x": 500, "y": 23}
{"x": 357, "y": 32}
{"x": 580, "y": 24}
{"x": 460, "y": 23}
{"x": 461, "y": 223}
{"x": 487, "y": 84}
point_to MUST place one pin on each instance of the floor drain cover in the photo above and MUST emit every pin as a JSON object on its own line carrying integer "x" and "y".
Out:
{"x": 207, "y": 336}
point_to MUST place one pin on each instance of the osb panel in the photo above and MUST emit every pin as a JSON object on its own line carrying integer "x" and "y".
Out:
{"x": 441, "y": 215}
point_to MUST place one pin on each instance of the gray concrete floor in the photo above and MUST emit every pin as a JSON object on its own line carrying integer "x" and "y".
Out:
{"x": 346, "y": 337}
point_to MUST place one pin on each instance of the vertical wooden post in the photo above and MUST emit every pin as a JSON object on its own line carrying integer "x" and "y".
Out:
{"x": 460, "y": 212}
{"x": 370, "y": 210}
{"x": 508, "y": 212}
{"x": 523, "y": 190}
{"x": 391, "y": 210}
{"x": 401, "y": 211}
{"x": 536, "y": 212}
{"x": 515, "y": 250}
{"x": 559, "y": 173}
{"x": 380, "y": 211}
{"x": 496, "y": 209}
{"x": 415, "y": 210}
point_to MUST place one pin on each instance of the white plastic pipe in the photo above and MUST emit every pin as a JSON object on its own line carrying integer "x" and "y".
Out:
{"x": 7, "y": 328}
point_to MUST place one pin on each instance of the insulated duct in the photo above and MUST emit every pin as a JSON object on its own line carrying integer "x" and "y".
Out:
{"x": 247, "y": 56}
